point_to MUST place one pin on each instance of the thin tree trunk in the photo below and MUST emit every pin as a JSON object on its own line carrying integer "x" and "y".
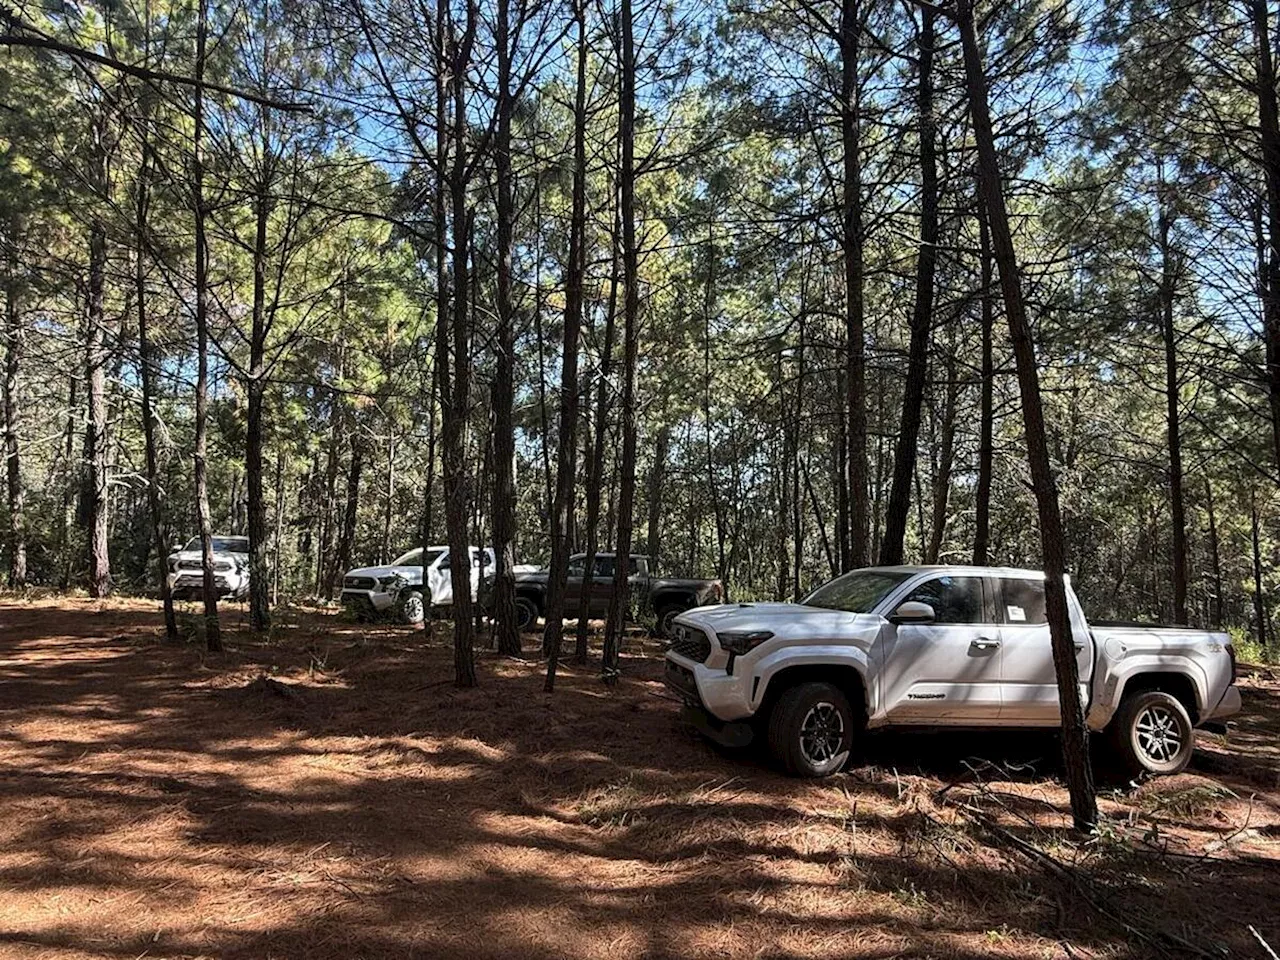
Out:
{"x": 456, "y": 481}
{"x": 904, "y": 459}
{"x": 1269, "y": 121}
{"x": 388, "y": 498}
{"x": 441, "y": 385}
{"x": 655, "y": 495}
{"x": 1075, "y": 741}
{"x": 213, "y": 632}
{"x": 946, "y": 460}
{"x": 566, "y": 460}
{"x": 1215, "y": 555}
{"x": 147, "y": 373}
{"x": 852, "y": 240}
{"x": 504, "y": 441}
{"x": 619, "y": 600}
{"x": 595, "y": 466}
{"x": 347, "y": 535}
{"x": 1259, "y": 603}
{"x": 1172, "y": 417}
{"x": 16, "y": 492}
{"x": 259, "y": 597}
{"x": 279, "y": 535}
{"x": 986, "y": 452}
{"x": 95, "y": 489}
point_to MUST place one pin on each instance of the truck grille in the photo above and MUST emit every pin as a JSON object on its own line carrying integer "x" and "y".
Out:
{"x": 359, "y": 583}
{"x": 223, "y": 565}
{"x": 691, "y": 643}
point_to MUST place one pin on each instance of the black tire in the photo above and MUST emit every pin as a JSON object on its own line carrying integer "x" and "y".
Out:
{"x": 1151, "y": 734}
{"x": 666, "y": 614}
{"x": 411, "y": 608}
{"x": 526, "y": 614}
{"x": 811, "y": 730}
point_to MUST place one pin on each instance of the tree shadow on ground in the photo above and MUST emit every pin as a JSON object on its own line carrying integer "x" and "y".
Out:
{"x": 162, "y": 801}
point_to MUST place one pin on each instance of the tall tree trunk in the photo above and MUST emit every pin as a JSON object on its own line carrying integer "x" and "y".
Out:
{"x": 904, "y": 459}
{"x": 852, "y": 241}
{"x": 1172, "y": 417}
{"x": 1269, "y": 121}
{"x": 16, "y": 492}
{"x": 441, "y": 383}
{"x": 1259, "y": 603}
{"x": 619, "y": 600}
{"x": 456, "y": 481}
{"x": 504, "y": 440}
{"x": 566, "y": 458}
{"x": 946, "y": 459}
{"x": 1075, "y": 741}
{"x": 986, "y": 412}
{"x": 213, "y": 632}
{"x": 96, "y": 486}
{"x": 655, "y": 495}
{"x": 595, "y": 466}
{"x": 347, "y": 535}
{"x": 147, "y": 375}
{"x": 277, "y": 566}
{"x": 713, "y": 485}
{"x": 259, "y": 588}
{"x": 1215, "y": 555}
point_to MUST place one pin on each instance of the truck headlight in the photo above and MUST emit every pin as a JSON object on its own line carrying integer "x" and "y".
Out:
{"x": 743, "y": 642}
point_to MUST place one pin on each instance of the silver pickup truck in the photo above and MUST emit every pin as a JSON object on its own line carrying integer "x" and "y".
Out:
{"x": 939, "y": 647}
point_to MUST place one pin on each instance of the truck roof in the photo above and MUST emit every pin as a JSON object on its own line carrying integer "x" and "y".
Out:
{"x": 969, "y": 569}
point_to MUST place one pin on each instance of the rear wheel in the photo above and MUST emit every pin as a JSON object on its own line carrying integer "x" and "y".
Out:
{"x": 413, "y": 609}
{"x": 1152, "y": 734}
{"x": 811, "y": 730}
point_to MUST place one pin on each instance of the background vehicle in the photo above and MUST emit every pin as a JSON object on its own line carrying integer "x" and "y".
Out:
{"x": 403, "y": 591}
{"x": 939, "y": 646}
{"x": 664, "y": 597}
{"x": 230, "y": 568}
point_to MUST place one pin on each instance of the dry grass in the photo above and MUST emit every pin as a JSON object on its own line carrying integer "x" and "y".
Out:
{"x": 159, "y": 801}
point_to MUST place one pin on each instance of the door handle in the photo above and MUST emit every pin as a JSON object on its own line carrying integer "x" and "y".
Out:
{"x": 984, "y": 643}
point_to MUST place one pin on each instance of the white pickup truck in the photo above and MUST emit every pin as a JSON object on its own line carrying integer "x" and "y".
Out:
{"x": 938, "y": 647}
{"x": 408, "y": 588}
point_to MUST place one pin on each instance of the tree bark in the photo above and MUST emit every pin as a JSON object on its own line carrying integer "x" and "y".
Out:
{"x": 946, "y": 460}
{"x": 904, "y": 459}
{"x": 1215, "y": 555}
{"x": 504, "y": 441}
{"x": 655, "y": 495}
{"x": 259, "y": 588}
{"x": 1259, "y": 603}
{"x": 619, "y": 600}
{"x": 1075, "y": 741}
{"x": 852, "y": 240}
{"x": 1269, "y": 122}
{"x": 986, "y": 413}
{"x": 94, "y": 496}
{"x": 16, "y": 491}
{"x": 350, "y": 513}
{"x": 456, "y": 480}
{"x": 213, "y": 633}
{"x": 147, "y": 374}
{"x": 1169, "y": 335}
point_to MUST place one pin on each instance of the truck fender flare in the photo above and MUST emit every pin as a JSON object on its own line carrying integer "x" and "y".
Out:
{"x": 1129, "y": 669}
{"x": 810, "y": 658}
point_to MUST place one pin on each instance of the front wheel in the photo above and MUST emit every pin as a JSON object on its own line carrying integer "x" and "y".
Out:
{"x": 811, "y": 730}
{"x": 413, "y": 609}
{"x": 1152, "y": 734}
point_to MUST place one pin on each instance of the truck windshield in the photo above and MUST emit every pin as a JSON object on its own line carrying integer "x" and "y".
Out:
{"x": 856, "y": 592}
{"x": 414, "y": 558}
{"x": 222, "y": 544}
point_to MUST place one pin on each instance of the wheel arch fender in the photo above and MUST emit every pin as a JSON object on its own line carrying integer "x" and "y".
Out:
{"x": 847, "y": 668}
{"x": 1181, "y": 678}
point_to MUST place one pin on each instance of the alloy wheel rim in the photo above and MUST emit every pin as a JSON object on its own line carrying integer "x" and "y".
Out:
{"x": 821, "y": 733}
{"x": 1159, "y": 734}
{"x": 413, "y": 608}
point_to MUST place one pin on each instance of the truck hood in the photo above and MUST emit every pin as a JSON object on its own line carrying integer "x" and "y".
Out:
{"x": 409, "y": 573}
{"x": 788, "y": 621}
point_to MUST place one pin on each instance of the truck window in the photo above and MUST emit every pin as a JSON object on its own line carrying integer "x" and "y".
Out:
{"x": 577, "y": 566}
{"x": 855, "y": 592}
{"x": 954, "y": 599}
{"x": 1022, "y": 602}
{"x": 605, "y": 566}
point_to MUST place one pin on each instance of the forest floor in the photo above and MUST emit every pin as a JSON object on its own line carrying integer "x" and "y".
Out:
{"x": 158, "y": 801}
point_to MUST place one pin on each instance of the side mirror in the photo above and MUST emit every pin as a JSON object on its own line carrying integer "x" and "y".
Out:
{"x": 176, "y": 548}
{"x": 913, "y": 611}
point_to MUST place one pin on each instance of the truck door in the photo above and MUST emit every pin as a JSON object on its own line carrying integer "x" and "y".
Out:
{"x": 438, "y": 579}
{"x": 573, "y": 588}
{"x": 946, "y": 671}
{"x": 1029, "y": 679}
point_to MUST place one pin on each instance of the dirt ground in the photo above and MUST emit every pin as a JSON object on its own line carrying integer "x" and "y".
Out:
{"x": 156, "y": 801}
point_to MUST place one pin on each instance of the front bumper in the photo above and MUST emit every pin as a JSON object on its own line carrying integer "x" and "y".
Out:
{"x": 368, "y": 601}
{"x": 725, "y": 697}
{"x": 190, "y": 583}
